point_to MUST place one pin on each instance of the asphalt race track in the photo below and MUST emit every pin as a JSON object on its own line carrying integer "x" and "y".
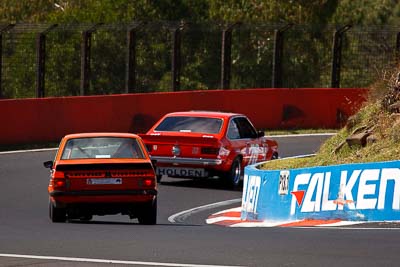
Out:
{"x": 28, "y": 238}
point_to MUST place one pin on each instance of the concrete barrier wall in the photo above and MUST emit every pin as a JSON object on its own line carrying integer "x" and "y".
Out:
{"x": 354, "y": 192}
{"x": 48, "y": 119}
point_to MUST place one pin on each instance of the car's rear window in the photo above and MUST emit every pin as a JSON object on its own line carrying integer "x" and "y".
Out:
{"x": 102, "y": 148}
{"x": 190, "y": 124}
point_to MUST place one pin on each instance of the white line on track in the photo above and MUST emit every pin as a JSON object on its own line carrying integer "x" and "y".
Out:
{"x": 26, "y": 151}
{"x": 111, "y": 261}
{"x": 346, "y": 228}
{"x": 183, "y": 214}
{"x": 301, "y": 135}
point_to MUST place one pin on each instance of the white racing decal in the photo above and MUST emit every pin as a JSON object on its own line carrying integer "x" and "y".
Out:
{"x": 316, "y": 186}
{"x": 251, "y": 191}
{"x": 253, "y": 152}
{"x": 184, "y": 172}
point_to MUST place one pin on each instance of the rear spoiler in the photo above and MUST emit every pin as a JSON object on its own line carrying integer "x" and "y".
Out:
{"x": 101, "y": 166}
{"x": 179, "y": 139}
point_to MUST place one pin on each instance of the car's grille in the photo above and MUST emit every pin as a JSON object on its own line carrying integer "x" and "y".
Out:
{"x": 84, "y": 174}
{"x": 100, "y": 174}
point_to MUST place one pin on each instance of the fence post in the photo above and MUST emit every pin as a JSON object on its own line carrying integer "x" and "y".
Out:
{"x": 226, "y": 56}
{"x": 337, "y": 55}
{"x": 277, "y": 57}
{"x": 176, "y": 58}
{"x": 4, "y": 29}
{"x": 41, "y": 61}
{"x": 86, "y": 44}
{"x": 130, "y": 75}
{"x": 398, "y": 47}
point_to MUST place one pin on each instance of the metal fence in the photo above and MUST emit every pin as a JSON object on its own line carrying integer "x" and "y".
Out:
{"x": 41, "y": 60}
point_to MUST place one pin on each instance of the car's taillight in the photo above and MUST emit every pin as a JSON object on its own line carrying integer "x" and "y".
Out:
{"x": 210, "y": 150}
{"x": 58, "y": 174}
{"x": 58, "y": 181}
{"x": 148, "y": 182}
{"x": 223, "y": 152}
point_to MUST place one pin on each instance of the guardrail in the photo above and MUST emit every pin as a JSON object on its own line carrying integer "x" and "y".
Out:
{"x": 48, "y": 119}
{"x": 352, "y": 192}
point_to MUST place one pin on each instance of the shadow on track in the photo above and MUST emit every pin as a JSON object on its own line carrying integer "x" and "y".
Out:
{"x": 100, "y": 222}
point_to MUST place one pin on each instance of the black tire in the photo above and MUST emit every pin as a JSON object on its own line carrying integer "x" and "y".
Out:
{"x": 86, "y": 218}
{"x": 275, "y": 156}
{"x": 232, "y": 178}
{"x": 148, "y": 214}
{"x": 57, "y": 214}
{"x": 159, "y": 178}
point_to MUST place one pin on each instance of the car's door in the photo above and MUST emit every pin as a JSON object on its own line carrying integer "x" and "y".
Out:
{"x": 253, "y": 149}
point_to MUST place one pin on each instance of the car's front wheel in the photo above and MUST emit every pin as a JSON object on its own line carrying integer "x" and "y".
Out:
{"x": 148, "y": 213}
{"x": 57, "y": 214}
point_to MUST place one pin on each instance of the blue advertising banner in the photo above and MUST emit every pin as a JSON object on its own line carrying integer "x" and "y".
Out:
{"x": 355, "y": 192}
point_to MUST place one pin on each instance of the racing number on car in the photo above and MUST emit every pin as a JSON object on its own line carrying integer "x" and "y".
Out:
{"x": 255, "y": 153}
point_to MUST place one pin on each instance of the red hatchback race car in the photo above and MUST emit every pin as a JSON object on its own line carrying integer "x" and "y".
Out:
{"x": 100, "y": 174}
{"x": 201, "y": 144}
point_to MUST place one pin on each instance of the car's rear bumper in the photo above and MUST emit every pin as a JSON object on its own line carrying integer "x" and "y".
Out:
{"x": 142, "y": 192}
{"x": 106, "y": 196}
{"x": 188, "y": 161}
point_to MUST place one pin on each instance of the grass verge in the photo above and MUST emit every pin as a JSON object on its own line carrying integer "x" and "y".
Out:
{"x": 377, "y": 118}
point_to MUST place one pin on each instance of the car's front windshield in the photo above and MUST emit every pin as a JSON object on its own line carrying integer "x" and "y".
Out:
{"x": 190, "y": 124}
{"x": 102, "y": 148}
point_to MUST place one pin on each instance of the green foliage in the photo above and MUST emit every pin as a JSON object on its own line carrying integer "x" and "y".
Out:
{"x": 300, "y": 12}
{"x": 366, "y": 12}
{"x": 307, "y": 51}
{"x": 63, "y": 63}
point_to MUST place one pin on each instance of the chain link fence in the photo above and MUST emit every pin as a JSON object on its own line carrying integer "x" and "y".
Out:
{"x": 89, "y": 59}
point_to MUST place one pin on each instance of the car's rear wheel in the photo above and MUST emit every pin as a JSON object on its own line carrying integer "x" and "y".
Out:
{"x": 232, "y": 178}
{"x": 86, "y": 218}
{"x": 159, "y": 178}
{"x": 57, "y": 214}
{"x": 148, "y": 213}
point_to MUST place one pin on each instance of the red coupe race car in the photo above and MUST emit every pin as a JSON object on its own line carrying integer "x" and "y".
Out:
{"x": 201, "y": 144}
{"x": 100, "y": 174}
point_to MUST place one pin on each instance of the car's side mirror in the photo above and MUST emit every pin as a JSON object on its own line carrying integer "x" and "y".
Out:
{"x": 48, "y": 164}
{"x": 260, "y": 133}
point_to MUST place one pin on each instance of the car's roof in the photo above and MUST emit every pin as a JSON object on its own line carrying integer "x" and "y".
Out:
{"x": 203, "y": 113}
{"x": 101, "y": 134}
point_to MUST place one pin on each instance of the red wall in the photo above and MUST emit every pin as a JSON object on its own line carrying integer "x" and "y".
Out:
{"x": 48, "y": 119}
